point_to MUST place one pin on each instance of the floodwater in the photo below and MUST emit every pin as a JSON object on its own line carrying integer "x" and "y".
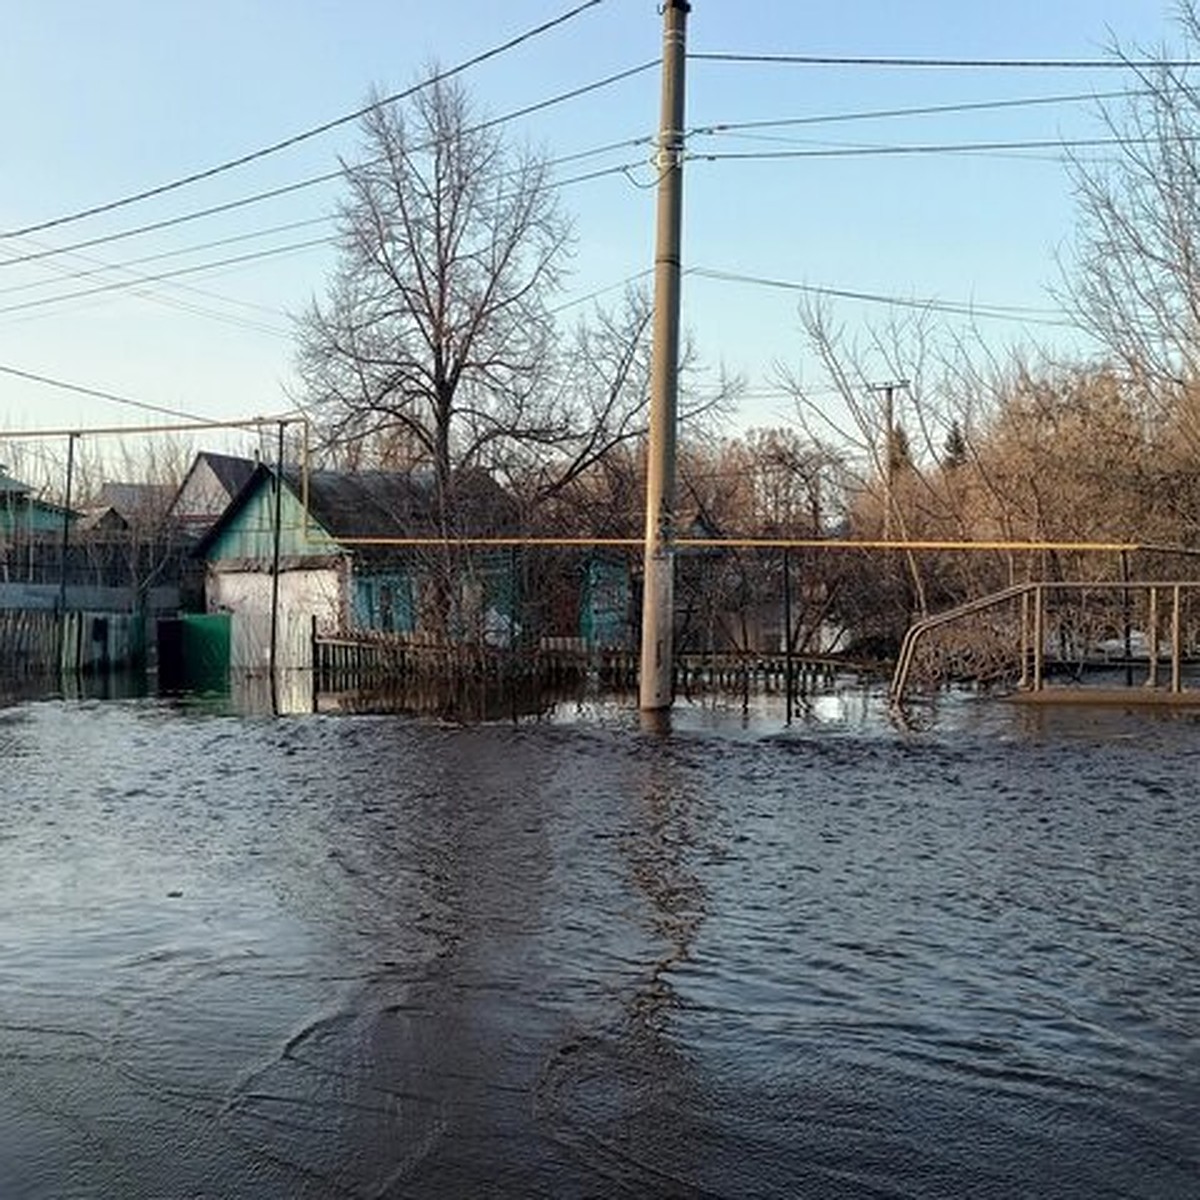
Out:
{"x": 373, "y": 956}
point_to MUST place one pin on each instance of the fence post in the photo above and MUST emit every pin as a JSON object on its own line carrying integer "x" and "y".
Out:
{"x": 314, "y": 664}
{"x": 1023, "y": 682}
{"x": 1039, "y": 647}
{"x": 1152, "y": 619}
{"x": 1176, "y": 639}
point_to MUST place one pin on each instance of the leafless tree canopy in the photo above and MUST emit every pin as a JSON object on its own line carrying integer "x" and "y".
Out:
{"x": 1135, "y": 279}
{"x": 435, "y": 326}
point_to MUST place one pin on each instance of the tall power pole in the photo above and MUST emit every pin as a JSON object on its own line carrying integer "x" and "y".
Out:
{"x": 658, "y": 598}
{"x": 889, "y": 448}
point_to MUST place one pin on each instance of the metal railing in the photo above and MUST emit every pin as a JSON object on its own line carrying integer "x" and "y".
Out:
{"x": 1033, "y": 627}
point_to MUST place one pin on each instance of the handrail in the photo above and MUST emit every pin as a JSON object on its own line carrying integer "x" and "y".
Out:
{"x": 918, "y": 630}
{"x": 1174, "y": 587}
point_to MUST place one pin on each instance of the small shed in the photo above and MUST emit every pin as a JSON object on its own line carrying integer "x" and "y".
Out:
{"x": 333, "y": 566}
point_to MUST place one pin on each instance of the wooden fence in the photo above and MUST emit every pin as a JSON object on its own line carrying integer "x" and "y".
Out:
{"x": 40, "y": 643}
{"x": 375, "y": 659}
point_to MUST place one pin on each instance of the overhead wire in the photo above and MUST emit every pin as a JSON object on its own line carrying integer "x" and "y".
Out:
{"x": 97, "y": 393}
{"x": 1006, "y": 64}
{"x": 139, "y": 286}
{"x": 925, "y": 110}
{"x": 329, "y": 176}
{"x": 195, "y": 268}
{"x": 305, "y": 135}
{"x": 999, "y": 312}
{"x": 708, "y": 129}
{"x": 98, "y": 266}
{"x": 1005, "y": 312}
{"x": 242, "y": 259}
{"x": 712, "y": 128}
{"x": 918, "y": 149}
{"x": 596, "y": 293}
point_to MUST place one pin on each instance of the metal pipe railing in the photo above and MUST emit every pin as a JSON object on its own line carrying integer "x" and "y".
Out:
{"x": 1033, "y": 612}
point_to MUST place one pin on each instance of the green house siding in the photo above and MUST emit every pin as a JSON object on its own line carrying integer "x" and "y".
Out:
{"x": 384, "y": 600}
{"x": 23, "y": 518}
{"x": 250, "y": 534}
{"x": 487, "y": 599}
{"x": 388, "y": 590}
{"x": 604, "y": 611}
{"x": 389, "y": 598}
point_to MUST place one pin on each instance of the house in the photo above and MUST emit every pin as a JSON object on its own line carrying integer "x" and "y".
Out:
{"x": 122, "y": 509}
{"x": 209, "y": 487}
{"x": 333, "y": 569}
{"x": 24, "y": 517}
{"x": 110, "y": 593}
{"x": 139, "y": 505}
{"x": 103, "y": 520}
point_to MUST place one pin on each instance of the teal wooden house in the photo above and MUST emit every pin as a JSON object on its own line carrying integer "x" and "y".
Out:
{"x": 23, "y": 517}
{"x": 341, "y": 556}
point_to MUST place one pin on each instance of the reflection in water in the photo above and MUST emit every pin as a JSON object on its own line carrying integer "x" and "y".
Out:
{"x": 465, "y": 701}
{"x": 370, "y": 956}
{"x": 659, "y": 847}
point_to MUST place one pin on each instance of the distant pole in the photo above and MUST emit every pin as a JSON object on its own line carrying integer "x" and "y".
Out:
{"x": 657, "y": 685}
{"x": 787, "y": 631}
{"x": 889, "y": 448}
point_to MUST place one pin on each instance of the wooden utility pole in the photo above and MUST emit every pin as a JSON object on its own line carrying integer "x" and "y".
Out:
{"x": 64, "y": 551}
{"x": 658, "y": 596}
{"x": 889, "y": 448}
{"x": 276, "y": 536}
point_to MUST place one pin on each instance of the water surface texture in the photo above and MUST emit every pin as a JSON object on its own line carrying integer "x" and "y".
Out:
{"x": 339, "y": 956}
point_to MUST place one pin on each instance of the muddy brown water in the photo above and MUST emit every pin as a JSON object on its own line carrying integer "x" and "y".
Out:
{"x": 371, "y": 956}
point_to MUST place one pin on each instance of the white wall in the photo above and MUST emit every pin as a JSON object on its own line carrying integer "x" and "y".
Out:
{"x": 302, "y": 595}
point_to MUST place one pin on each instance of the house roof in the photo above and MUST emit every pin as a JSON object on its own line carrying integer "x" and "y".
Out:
{"x": 397, "y": 503}
{"x": 135, "y": 499}
{"x": 10, "y": 486}
{"x": 379, "y": 504}
{"x": 233, "y": 473}
{"x": 230, "y": 472}
{"x": 104, "y": 518}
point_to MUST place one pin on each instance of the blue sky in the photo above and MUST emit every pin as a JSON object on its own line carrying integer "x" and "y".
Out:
{"x": 101, "y": 100}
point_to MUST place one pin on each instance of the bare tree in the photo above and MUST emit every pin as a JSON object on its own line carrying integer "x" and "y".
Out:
{"x": 435, "y": 327}
{"x": 1134, "y": 280}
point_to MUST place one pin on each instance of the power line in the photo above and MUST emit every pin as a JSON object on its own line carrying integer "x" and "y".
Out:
{"x": 314, "y": 131}
{"x": 921, "y": 111}
{"x": 329, "y": 176}
{"x": 916, "y": 149}
{"x": 1007, "y": 64}
{"x": 135, "y": 280}
{"x": 169, "y": 222}
{"x": 97, "y": 393}
{"x": 99, "y": 267}
{"x": 241, "y": 259}
{"x": 195, "y": 268}
{"x": 601, "y": 291}
{"x": 705, "y": 130}
{"x": 1000, "y": 312}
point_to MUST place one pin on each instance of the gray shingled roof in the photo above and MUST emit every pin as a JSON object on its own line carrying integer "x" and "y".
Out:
{"x": 383, "y": 504}
{"x": 135, "y": 499}
{"x": 354, "y": 504}
{"x": 233, "y": 473}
